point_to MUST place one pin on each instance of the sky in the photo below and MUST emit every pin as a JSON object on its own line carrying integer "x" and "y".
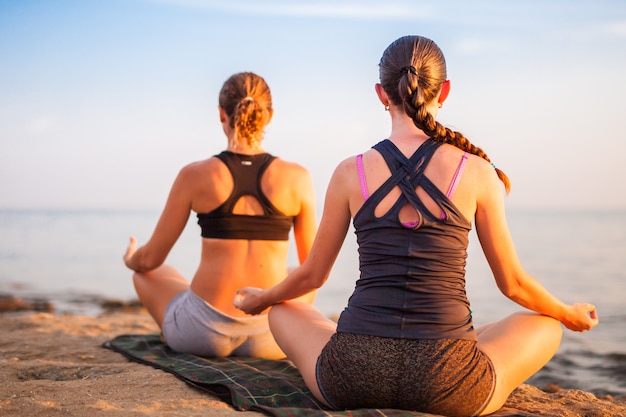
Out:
{"x": 102, "y": 102}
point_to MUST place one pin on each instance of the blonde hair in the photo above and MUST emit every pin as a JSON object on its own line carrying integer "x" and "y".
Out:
{"x": 247, "y": 101}
{"x": 412, "y": 71}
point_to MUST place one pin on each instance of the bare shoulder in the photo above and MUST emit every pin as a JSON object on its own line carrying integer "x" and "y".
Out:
{"x": 347, "y": 165}
{"x": 288, "y": 171}
{"x": 289, "y": 166}
{"x": 485, "y": 178}
{"x": 479, "y": 169}
{"x": 345, "y": 174}
{"x": 210, "y": 166}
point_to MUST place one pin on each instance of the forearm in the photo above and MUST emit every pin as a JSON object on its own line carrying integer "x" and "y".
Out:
{"x": 531, "y": 294}
{"x": 577, "y": 317}
{"x": 255, "y": 300}
{"x": 297, "y": 284}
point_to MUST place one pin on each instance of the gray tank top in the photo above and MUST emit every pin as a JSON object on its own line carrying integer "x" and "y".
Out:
{"x": 412, "y": 282}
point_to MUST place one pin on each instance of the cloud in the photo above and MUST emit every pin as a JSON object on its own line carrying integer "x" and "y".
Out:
{"x": 594, "y": 32}
{"x": 476, "y": 46}
{"x": 330, "y": 9}
{"x": 617, "y": 29}
{"x": 40, "y": 125}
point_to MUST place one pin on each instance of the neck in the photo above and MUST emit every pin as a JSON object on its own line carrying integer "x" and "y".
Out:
{"x": 403, "y": 129}
{"x": 404, "y": 133}
{"x": 244, "y": 149}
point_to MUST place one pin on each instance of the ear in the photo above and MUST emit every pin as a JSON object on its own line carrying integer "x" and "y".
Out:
{"x": 382, "y": 96}
{"x": 445, "y": 90}
{"x": 223, "y": 116}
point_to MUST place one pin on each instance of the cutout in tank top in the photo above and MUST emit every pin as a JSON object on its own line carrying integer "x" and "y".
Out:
{"x": 449, "y": 194}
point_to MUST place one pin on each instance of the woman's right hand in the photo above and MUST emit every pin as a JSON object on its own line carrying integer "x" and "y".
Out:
{"x": 581, "y": 317}
{"x": 250, "y": 300}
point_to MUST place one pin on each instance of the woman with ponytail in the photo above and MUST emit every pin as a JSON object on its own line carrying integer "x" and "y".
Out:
{"x": 406, "y": 339}
{"x": 246, "y": 201}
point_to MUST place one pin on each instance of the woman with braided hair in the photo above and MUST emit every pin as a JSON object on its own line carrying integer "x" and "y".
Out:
{"x": 406, "y": 339}
{"x": 246, "y": 201}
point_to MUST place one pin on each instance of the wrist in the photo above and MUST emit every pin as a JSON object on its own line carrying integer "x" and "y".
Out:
{"x": 564, "y": 313}
{"x": 266, "y": 298}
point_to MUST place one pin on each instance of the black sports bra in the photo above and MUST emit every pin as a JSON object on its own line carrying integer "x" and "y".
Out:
{"x": 221, "y": 223}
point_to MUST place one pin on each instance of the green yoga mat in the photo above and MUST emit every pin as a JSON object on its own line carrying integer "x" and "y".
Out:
{"x": 272, "y": 387}
{"x": 268, "y": 386}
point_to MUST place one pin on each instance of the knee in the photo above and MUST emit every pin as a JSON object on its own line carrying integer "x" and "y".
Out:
{"x": 548, "y": 324}
{"x": 286, "y": 315}
{"x": 160, "y": 274}
{"x": 277, "y": 312}
{"x": 554, "y": 328}
{"x": 546, "y": 328}
{"x": 138, "y": 279}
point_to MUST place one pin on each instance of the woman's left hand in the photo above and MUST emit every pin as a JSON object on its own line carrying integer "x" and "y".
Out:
{"x": 130, "y": 251}
{"x": 581, "y": 317}
{"x": 250, "y": 300}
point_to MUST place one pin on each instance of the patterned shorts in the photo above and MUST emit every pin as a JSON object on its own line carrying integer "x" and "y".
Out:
{"x": 441, "y": 376}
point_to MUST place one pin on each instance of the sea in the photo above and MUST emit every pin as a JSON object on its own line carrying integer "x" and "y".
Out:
{"x": 73, "y": 258}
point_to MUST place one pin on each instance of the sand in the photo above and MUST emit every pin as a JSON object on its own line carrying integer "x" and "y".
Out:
{"x": 55, "y": 365}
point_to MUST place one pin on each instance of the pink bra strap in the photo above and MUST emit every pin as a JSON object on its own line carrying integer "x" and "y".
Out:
{"x": 457, "y": 176}
{"x": 451, "y": 190}
{"x": 359, "y": 167}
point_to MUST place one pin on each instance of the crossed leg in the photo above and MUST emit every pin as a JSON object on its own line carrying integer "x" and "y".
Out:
{"x": 156, "y": 289}
{"x": 302, "y": 331}
{"x": 518, "y": 347}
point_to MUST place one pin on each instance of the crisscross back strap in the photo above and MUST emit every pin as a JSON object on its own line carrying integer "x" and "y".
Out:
{"x": 407, "y": 173}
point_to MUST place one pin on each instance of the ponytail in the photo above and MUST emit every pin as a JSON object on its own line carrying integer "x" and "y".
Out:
{"x": 412, "y": 71}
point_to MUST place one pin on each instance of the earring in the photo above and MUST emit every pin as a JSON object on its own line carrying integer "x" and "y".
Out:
{"x": 439, "y": 105}
{"x": 387, "y": 108}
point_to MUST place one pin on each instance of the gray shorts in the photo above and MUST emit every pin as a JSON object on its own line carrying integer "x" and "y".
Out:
{"x": 442, "y": 376}
{"x": 191, "y": 325}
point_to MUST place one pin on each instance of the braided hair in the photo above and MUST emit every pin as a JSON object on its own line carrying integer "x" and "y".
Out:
{"x": 412, "y": 71}
{"x": 247, "y": 101}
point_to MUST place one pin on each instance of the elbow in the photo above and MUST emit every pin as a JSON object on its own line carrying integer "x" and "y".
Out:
{"x": 153, "y": 264}
{"x": 314, "y": 277}
{"x": 316, "y": 284}
{"x": 512, "y": 294}
{"x": 146, "y": 263}
{"x": 321, "y": 280}
{"x": 511, "y": 289}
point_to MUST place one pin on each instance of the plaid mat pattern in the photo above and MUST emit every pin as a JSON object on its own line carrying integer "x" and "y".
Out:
{"x": 272, "y": 387}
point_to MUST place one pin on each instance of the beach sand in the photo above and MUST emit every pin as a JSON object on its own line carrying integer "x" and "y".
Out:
{"x": 55, "y": 365}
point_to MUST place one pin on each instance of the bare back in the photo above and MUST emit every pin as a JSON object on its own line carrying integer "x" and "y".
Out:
{"x": 229, "y": 264}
